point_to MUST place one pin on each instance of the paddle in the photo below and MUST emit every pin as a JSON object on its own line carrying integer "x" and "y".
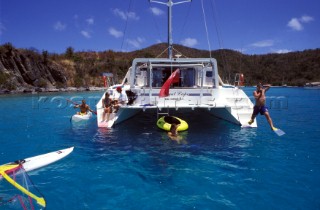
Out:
{"x": 95, "y": 112}
{"x": 72, "y": 102}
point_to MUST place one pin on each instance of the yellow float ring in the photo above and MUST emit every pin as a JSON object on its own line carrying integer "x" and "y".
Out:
{"x": 166, "y": 126}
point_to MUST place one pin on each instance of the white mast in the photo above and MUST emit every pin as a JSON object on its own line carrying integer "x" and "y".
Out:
{"x": 170, "y": 3}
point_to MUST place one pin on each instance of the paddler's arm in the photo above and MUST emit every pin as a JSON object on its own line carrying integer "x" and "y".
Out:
{"x": 266, "y": 87}
{"x": 91, "y": 110}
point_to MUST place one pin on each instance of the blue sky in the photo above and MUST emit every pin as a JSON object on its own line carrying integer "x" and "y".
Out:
{"x": 249, "y": 26}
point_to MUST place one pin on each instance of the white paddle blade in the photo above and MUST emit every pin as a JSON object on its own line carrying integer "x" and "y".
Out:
{"x": 279, "y": 132}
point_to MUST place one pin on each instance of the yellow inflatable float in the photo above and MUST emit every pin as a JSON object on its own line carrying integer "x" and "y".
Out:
{"x": 166, "y": 121}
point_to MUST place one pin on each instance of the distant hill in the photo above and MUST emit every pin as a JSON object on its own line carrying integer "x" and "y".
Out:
{"x": 28, "y": 68}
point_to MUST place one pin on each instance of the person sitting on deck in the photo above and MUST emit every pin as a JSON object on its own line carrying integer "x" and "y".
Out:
{"x": 84, "y": 108}
{"x": 120, "y": 98}
{"x": 107, "y": 106}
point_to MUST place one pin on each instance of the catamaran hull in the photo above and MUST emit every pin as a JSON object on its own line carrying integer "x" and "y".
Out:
{"x": 238, "y": 117}
{"x": 115, "y": 118}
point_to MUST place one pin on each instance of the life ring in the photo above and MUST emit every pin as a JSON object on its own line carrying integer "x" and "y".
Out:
{"x": 165, "y": 124}
{"x": 241, "y": 80}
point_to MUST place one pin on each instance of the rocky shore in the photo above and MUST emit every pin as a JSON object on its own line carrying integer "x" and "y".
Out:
{"x": 50, "y": 90}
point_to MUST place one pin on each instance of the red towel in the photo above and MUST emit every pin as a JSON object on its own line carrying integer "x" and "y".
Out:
{"x": 174, "y": 78}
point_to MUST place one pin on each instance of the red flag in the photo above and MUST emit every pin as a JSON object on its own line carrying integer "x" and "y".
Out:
{"x": 174, "y": 78}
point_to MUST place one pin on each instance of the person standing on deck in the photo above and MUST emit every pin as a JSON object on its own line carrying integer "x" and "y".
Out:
{"x": 260, "y": 105}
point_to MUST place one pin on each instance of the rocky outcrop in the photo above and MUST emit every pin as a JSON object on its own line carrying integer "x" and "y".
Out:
{"x": 19, "y": 69}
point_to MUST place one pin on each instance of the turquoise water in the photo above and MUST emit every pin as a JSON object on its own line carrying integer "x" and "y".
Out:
{"x": 218, "y": 165}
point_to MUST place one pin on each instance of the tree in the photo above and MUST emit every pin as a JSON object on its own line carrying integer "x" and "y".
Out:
{"x": 45, "y": 56}
{"x": 69, "y": 52}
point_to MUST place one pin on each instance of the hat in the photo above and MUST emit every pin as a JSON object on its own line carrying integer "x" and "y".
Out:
{"x": 119, "y": 89}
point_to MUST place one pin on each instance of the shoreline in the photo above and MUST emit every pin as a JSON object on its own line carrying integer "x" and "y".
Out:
{"x": 24, "y": 90}
{"x": 81, "y": 89}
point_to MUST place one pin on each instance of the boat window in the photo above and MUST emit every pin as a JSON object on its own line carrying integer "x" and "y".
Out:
{"x": 187, "y": 77}
{"x": 157, "y": 80}
{"x": 209, "y": 74}
{"x": 208, "y": 80}
{"x": 141, "y": 77}
{"x": 161, "y": 74}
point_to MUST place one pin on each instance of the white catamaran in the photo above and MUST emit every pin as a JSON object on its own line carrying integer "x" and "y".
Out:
{"x": 195, "y": 86}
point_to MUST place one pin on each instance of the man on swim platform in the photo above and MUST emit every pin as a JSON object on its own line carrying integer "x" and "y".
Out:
{"x": 260, "y": 106}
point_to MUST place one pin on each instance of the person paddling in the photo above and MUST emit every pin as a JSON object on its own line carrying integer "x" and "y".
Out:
{"x": 84, "y": 108}
{"x": 260, "y": 105}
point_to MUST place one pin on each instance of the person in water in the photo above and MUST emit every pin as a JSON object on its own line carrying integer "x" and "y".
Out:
{"x": 173, "y": 132}
{"x": 120, "y": 98}
{"x": 84, "y": 108}
{"x": 107, "y": 106}
{"x": 260, "y": 105}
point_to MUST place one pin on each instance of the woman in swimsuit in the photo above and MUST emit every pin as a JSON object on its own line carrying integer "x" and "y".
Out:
{"x": 107, "y": 106}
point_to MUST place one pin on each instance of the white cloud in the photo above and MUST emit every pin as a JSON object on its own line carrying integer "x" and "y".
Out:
{"x": 140, "y": 40}
{"x": 114, "y": 32}
{"x": 125, "y": 15}
{"x": 189, "y": 42}
{"x": 90, "y": 21}
{"x": 281, "y": 51}
{"x": 132, "y": 15}
{"x": 156, "y": 11}
{"x": 296, "y": 23}
{"x": 242, "y": 50}
{"x": 136, "y": 43}
{"x": 263, "y": 43}
{"x": 86, "y": 34}
{"x": 58, "y": 26}
{"x": 306, "y": 19}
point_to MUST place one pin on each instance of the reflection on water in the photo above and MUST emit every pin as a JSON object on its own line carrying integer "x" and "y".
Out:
{"x": 221, "y": 144}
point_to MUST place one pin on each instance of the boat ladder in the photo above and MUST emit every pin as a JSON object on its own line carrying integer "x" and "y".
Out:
{"x": 159, "y": 113}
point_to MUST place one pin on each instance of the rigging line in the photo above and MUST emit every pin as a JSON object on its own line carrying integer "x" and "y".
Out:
{"x": 185, "y": 21}
{"x": 156, "y": 24}
{"x": 179, "y": 52}
{"x": 223, "y": 53}
{"x": 162, "y": 52}
{"x": 205, "y": 24}
{"x": 126, "y": 25}
{"x": 215, "y": 20}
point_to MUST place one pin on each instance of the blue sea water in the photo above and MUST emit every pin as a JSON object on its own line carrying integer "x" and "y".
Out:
{"x": 218, "y": 165}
